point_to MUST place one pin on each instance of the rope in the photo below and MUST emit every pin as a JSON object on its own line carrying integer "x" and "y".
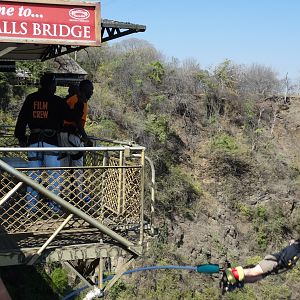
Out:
{"x": 150, "y": 268}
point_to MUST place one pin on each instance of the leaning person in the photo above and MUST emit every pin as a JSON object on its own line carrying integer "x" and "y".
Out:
{"x": 73, "y": 133}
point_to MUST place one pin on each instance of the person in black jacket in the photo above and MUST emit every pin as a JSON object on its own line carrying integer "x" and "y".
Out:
{"x": 43, "y": 112}
{"x": 273, "y": 263}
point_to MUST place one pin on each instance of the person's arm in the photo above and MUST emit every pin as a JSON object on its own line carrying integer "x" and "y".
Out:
{"x": 87, "y": 142}
{"x": 81, "y": 130}
{"x": 78, "y": 114}
{"x": 22, "y": 121}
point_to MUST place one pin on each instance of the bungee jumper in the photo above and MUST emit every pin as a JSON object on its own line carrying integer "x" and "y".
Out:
{"x": 276, "y": 263}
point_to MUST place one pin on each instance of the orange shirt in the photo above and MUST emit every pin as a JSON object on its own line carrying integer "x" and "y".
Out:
{"x": 82, "y": 110}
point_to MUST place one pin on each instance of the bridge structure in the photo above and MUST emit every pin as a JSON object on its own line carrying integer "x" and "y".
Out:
{"x": 101, "y": 209}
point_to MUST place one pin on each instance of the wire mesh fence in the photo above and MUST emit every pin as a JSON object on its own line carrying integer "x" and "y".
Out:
{"x": 108, "y": 188}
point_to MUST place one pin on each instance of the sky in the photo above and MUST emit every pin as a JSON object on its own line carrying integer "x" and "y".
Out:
{"x": 265, "y": 32}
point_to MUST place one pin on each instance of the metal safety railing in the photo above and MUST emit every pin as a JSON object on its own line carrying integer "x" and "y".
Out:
{"x": 108, "y": 189}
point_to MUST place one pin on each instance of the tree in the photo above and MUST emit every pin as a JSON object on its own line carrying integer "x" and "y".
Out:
{"x": 259, "y": 80}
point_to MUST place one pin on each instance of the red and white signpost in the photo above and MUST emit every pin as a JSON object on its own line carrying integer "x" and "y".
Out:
{"x": 50, "y": 22}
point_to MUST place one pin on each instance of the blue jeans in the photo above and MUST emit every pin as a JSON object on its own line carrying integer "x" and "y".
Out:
{"x": 38, "y": 160}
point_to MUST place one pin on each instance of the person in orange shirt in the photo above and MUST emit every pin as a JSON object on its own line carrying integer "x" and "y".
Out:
{"x": 73, "y": 133}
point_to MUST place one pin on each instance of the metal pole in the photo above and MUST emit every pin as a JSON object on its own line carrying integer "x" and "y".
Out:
{"x": 119, "y": 209}
{"x": 10, "y": 193}
{"x": 74, "y": 210}
{"x": 66, "y": 149}
{"x": 152, "y": 191}
{"x": 142, "y": 197}
{"x": 51, "y": 238}
{"x": 100, "y": 273}
{"x": 123, "y": 269}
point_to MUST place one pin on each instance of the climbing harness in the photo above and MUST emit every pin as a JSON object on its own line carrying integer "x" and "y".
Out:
{"x": 68, "y": 139}
{"x": 41, "y": 134}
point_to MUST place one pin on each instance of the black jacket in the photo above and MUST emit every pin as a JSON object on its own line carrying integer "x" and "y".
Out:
{"x": 41, "y": 111}
{"x": 288, "y": 256}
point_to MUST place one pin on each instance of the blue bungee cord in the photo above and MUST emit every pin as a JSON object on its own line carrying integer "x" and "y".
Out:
{"x": 206, "y": 268}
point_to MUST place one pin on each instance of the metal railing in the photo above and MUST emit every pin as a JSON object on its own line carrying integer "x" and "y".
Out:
{"x": 108, "y": 189}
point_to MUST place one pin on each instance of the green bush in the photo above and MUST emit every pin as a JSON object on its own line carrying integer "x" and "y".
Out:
{"x": 245, "y": 210}
{"x": 59, "y": 278}
{"x": 224, "y": 142}
{"x": 156, "y": 71}
{"x": 261, "y": 213}
{"x": 158, "y": 126}
{"x": 262, "y": 239}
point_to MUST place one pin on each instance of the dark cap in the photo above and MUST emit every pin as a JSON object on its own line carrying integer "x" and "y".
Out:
{"x": 85, "y": 83}
{"x": 47, "y": 80}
